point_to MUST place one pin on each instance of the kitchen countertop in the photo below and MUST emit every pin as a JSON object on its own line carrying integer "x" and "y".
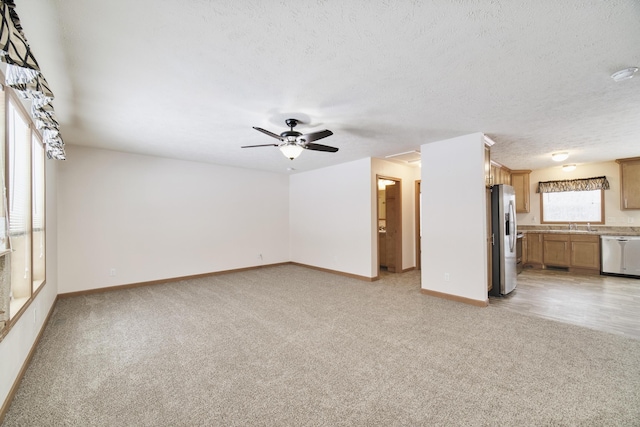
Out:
{"x": 597, "y": 230}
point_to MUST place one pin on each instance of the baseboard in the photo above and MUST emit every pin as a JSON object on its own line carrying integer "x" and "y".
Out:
{"x": 341, "y": 273}
{"x": 477, "y": 303}
{"x": 160, "y": 281}
{"x": 25, "y": 365}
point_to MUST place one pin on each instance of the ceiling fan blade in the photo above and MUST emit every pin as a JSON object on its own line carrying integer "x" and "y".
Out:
{"x": 314, "y": 136}
{"x": 266, "y": 132}
{"x": 261, "y": 145}
{"x": 320, "y": 147}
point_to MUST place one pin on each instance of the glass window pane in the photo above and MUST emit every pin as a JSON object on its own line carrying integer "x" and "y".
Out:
{"x": 572, "y": 206}
{"x": 5, "y": 276}
{"x": 19, "y": 200}
{"x": 38, "y": 213}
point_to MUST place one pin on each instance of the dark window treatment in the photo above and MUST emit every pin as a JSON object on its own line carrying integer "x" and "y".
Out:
{"x": 584, "y": 184}
{"x": 24, "y": 76}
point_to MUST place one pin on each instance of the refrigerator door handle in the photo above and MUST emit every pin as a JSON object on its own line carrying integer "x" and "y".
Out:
{"x": 512, "y": 223}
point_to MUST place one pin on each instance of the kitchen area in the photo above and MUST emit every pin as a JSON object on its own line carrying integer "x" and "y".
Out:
{"x": 574, "y": 270}
{"x": 612, "y": 251}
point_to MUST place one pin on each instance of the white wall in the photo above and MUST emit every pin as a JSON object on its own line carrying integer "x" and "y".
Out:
{"x": 152, "y": 218}
{"x": 613, "y": 215}
{"x": 331, "y": 218}
{"x": 454, "y": 226}
{"x": 15, "y": 347}
{"x": 408, "y": 175}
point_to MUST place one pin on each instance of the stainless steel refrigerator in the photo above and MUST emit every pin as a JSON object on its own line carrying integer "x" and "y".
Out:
{"x": 503, "y": 233}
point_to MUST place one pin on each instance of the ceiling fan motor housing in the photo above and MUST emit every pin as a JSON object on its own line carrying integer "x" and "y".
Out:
{"x": 290, "y": 133}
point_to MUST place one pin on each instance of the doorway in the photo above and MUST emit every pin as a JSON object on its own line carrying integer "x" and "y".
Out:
{"x": 389, "y": 224}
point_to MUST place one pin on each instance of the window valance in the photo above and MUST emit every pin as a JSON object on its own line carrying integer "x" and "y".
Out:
{"x": 584, "y": 184}
{"x": 24, "y": 76}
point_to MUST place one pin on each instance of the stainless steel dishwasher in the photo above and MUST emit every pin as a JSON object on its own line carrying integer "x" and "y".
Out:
{"x": 620, "y": 255}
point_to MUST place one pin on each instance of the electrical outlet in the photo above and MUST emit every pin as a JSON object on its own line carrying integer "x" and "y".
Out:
{"x": 112, "y": 272}
{"x": 446, "y": 277}
{"x": 630, "y": 220}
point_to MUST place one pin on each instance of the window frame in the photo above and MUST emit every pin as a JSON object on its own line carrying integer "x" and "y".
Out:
{"x": 18, "y": 190}
{"x": 11, "y": 97}
{"x": 36, "y": 140}
{"x": 602, "y": 214}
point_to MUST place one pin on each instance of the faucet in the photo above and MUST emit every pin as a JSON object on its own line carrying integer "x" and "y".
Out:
{"x": 572, "y": 226}
{"x": 588, "y": 226}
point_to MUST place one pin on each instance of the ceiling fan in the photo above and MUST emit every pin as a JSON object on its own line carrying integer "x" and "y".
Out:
{"x": 293, "y": 142}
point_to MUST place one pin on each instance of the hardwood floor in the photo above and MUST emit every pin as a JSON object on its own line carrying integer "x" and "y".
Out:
{"x": 606, "y": 303}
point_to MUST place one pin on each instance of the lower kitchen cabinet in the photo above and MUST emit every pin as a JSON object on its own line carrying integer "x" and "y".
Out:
{"x": 533, "y": 249}
{"x": 576, "y": 252}
{"x": 556, "y": 250}
{"x": 585, "y": 252}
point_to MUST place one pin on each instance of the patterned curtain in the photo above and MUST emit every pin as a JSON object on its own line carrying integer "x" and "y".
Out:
{"x": 585, "y": 184}
{"x": 24, "y": 76}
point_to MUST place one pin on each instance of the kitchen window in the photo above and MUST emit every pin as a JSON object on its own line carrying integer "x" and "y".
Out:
{"x": 573, "y": 201}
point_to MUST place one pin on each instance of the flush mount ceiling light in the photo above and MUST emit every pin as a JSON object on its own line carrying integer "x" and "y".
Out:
{"x": 558, "y": 157}
{"x": 625, "y": 74}
{"x": 568, "y": 168}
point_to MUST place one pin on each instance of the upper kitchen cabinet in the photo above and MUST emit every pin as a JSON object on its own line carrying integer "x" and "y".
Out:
{"x": 488, "y": 178}
{"x": 629, "y": 183}
{"x": 520, "y": 183}
{"x": 500, "y": 174}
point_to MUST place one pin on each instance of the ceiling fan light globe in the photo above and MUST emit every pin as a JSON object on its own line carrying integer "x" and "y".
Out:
{"x": 291, "y": 151}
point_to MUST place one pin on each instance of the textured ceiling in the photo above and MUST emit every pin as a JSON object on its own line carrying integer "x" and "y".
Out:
{"x": 188, "y": 79}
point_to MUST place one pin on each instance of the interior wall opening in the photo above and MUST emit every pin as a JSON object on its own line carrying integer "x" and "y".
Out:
{"x": 389, "y": 224}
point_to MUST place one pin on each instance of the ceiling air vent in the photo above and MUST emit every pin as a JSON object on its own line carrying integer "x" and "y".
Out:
{"x": 409, "y": 157}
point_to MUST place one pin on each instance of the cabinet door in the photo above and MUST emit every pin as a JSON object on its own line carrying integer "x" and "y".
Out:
{"x": 533, "y": 248}
{"x": 520, "y": 183}
{"x": 629, "y": 183}
{"x": 556, "y": 250}
{"x": 585, "y": 252}
{"x": 506, "y": 176}
{"x": 488, "y": 178}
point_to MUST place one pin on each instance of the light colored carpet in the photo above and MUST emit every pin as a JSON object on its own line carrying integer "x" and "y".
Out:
{"x": 290, "y": 346}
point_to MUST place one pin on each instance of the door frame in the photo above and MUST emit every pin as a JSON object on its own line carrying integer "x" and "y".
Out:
{"x": 398, "y": 242}
{"x": 418, "y": 237}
